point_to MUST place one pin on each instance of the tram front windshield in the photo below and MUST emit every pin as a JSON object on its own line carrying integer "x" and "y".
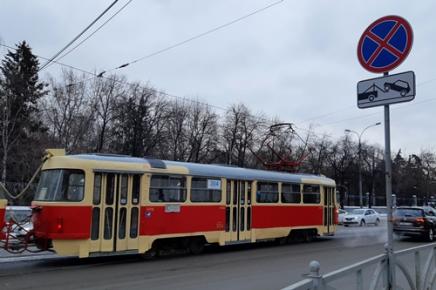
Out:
{"x": 61, "y": 185}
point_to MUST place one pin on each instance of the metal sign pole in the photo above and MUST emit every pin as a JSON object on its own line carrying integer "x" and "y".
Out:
{"x": 388, "y": 176}
{"x": 378, "y": 53}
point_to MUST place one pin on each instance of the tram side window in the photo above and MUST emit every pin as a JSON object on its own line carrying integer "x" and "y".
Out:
{"x": 61, "y": 185}
{"x": 291, "y": 193}
{"x": 267, "y": 192}
{"x": 165, "y": 188}
{"x": 123, "y": 189}
{"x": 135, "y": 189}
{"x": 311, "y": 194}
{"x": 205, "y": 190}
{"x": 97, "y": 189}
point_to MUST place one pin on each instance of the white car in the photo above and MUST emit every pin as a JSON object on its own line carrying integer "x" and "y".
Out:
{"x": 362, "y": 217}
{"x": 341, "y": 216}
{"x": 20, "y": 215}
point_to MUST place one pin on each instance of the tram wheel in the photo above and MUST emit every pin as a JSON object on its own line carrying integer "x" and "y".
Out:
{"x": 196, "y": 246}
{"x": 150, "y": 254}
{"x": 308, "y": 236}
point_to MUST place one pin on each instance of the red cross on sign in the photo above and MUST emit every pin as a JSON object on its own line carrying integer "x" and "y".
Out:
{"x": 385, "y": 44}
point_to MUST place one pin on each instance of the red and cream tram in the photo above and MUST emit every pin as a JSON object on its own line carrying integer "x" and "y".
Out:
{"x": 89, "y": 205}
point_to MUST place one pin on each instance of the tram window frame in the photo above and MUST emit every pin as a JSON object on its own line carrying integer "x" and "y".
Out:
{"x": 123, "y": 188}
{"x": 134, "y": 225}
{"x": 136, "y": 188}
{"x": 159, "y": 196}
{"x": 108, "y": 223}
{"x": 273, "y": 192}
{"x": 95, "y": 224}
{"x": 122, "y": 223}
{"x": 59, "y": 187}
{"x": 248, "y": 192}
{"x": 228, "y": 191}
{"x": 291, "y": 194}
{"x": 200, "y": 186}
{"x": 307, "y": 195}
{"x": 110, "y": 189}
{"x": 96, "y": 195}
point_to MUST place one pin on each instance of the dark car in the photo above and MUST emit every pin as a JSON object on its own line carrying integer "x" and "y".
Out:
{"x": 399, "y": 86}
{"x": 414, "y": 222}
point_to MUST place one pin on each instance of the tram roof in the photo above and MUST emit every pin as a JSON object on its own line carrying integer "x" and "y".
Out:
{"x": 213, "y": 170}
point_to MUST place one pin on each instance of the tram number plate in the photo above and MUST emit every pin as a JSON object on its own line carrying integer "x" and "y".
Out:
{"x": 172, "y": 208}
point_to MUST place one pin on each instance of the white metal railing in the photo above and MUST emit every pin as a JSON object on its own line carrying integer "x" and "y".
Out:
{"x": 423, "y": 277}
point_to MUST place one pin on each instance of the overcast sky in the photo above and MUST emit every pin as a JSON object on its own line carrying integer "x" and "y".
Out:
{"x": 296, "y": 60}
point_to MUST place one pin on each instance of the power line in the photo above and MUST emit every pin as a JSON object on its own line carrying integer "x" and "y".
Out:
{"x": 95, "y": 31}
{"x": 177, "y": 44}
{"x": 79, "y": 35}
{"x": 100, "y": 75}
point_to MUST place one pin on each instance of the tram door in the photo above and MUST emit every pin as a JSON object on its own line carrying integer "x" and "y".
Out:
{"x": 238, "y": 210}
{"x": 115, "y": 212}
{"x": 329, "y": 208}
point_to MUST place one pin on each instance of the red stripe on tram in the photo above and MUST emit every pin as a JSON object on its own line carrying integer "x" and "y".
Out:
{"x": 286, "y": 216}
{"x": 158, "y": 220}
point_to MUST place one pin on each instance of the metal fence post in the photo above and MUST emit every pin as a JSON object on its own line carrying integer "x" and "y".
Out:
{"x": 418, "y": 270}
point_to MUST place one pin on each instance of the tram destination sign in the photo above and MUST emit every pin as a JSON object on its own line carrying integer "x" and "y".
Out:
{"x": 390, "y": 89}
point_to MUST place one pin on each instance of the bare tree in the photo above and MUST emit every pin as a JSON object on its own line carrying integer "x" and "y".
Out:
{"x": 240, "y": 130}
{"x": 176, "y": 129}
{"x": 69, "y": 112}
{"x": 318, "y": 155}
{"x": 105, "y": 93}
{"x": 138, "y": 123}
{"x": 202, "y": 131}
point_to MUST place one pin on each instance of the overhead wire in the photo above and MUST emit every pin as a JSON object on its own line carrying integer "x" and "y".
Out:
{"x": 94, "y": 75}
{"x": 197, "y": 36}
{"x": 78, "y": 36}
{"x": 95, "y": 31}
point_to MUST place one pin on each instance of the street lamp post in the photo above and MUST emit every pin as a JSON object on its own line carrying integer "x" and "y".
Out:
{"x": 359, "y": 153}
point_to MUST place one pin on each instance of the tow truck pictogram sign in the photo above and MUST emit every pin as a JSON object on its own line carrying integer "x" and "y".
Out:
{"x": 384, "y": 90}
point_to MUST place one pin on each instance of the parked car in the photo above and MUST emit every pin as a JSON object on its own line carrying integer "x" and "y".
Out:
{"x": 415, "y": 222}
{"x": 362, "y": 217}
{"x": 429, "y": 210}
{"x": 21, "y": 216}
{"x": 341, "y": 216}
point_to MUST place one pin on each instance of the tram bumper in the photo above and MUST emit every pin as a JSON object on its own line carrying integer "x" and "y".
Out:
{"x": 53, "y": 223}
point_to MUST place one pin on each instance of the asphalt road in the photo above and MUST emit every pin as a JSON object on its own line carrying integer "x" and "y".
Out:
{"x": 263, "y": 266}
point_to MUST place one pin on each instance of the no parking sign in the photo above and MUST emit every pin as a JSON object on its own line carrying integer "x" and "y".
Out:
{"x": 385, "y": 44}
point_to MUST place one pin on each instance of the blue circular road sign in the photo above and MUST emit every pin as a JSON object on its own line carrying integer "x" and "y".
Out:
{"x": 385, "y": 44}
